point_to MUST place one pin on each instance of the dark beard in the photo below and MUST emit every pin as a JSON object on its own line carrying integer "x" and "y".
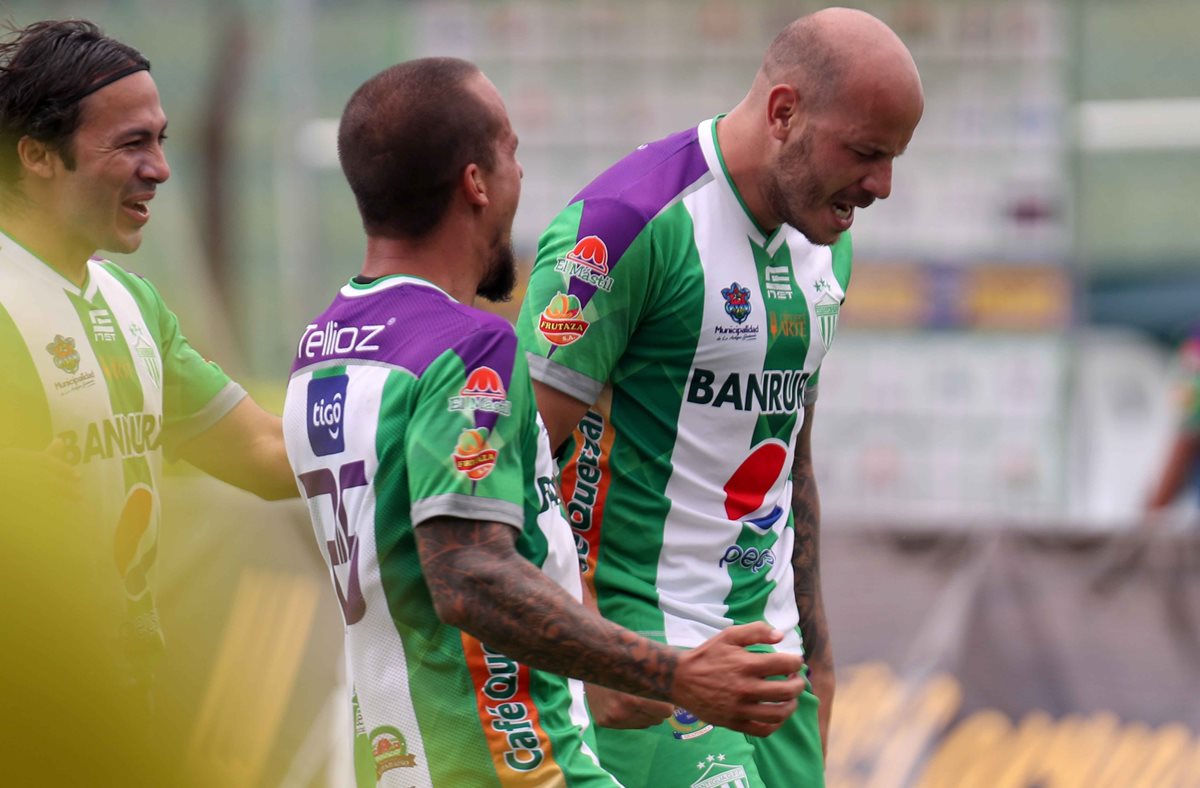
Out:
{"x": 791, "y": 188}
{"x": 497, "y": 285}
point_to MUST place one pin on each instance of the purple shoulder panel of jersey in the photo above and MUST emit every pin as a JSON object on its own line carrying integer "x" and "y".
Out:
{"x": 619, "y": 203}
{"x": 406, "y": 326}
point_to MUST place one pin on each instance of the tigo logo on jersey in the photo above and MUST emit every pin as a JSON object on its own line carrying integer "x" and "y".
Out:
{"x": 560, "y": 322}
{"x": 473, "y": 456}
{"x": 327, "y": 414}
{"x": 587, "y": 262}
{"x": 484, "y": 391}
{"x": 389, "y": 748}
{"x": 737, "y": 302}
{"x": 66, "y": 357}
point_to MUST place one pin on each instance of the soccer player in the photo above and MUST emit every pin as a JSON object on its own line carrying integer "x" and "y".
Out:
{"x": 98, "y": 377}
{"x": 411, "y": 426}
{"x": 677, "y": 316}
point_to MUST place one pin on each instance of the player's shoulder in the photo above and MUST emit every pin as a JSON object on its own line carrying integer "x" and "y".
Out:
{"x": 137, "y": 284}
{"x": 651, "y": 177}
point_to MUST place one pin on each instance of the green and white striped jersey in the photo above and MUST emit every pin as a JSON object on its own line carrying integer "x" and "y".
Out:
{"x": 105, "y": 369}
{"x": 405, "y": 405}
{"x": 699, "y": 338}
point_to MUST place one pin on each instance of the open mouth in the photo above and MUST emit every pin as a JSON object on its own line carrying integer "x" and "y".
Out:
{"x": 138, "y": 208}
{"x": 843, "y": 210}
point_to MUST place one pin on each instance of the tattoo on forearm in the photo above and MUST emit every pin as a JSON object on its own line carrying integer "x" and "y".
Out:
{"x": 483, "y": 586}
{"x": 806, "y": 566}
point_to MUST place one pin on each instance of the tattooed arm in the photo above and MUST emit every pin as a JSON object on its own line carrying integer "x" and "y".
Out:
{"x": 480, "y": 584}
{"x": 806, "y": 567}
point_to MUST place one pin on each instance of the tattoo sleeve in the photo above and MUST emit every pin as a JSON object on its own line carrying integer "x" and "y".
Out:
{"x": 480, "y": 584}
{"x": 806, "y": 561}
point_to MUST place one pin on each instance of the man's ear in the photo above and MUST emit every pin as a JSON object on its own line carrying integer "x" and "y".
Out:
{"x": 474, "y": 185}
{"x": 784, "y": 111}
{"x": 37, "y": 157}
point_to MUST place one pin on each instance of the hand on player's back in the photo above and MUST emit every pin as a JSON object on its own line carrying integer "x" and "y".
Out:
{"x": 723, "y": 683}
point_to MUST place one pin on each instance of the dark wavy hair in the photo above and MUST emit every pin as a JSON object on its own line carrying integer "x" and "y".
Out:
{"x": 46, "y": 69}
{"x": 404, "y": 139}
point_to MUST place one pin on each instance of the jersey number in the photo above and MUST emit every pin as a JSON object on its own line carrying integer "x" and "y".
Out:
{"x": 343, "y": 548}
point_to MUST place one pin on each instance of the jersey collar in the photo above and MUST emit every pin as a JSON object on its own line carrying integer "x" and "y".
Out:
{"x": 716, "y": 163}
{"x": 353, "y": 289}
{"x": 37, "y": 267}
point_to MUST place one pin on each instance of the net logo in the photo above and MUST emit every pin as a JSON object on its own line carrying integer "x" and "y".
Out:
{"x": 326, "y": 415}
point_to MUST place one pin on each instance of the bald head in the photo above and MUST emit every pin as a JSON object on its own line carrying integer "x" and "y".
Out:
{"x": 823, "y": 53}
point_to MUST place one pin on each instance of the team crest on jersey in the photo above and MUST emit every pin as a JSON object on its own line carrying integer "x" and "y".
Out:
{"x": 561, "y": 322}
{"x": 389, "y": 749}
{"x": 685, "y": 725}
{"x": 827, "y": 309}
{"x": 737, "y": 302}
{"x": 66, "y": 357}
{"x": 484, "y": 391}
{"x": 472, "y": 455}
{"x": 327, "y": 414}
{"x": 146, "y": 352}
{"x": 719, "y": 774}
{"x": 587, "y": 262}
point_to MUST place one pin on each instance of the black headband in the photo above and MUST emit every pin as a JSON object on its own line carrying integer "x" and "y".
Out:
{"x": 111, "y": 78}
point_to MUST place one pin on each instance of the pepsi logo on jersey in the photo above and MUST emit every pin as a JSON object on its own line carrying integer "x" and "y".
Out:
{"x": 326, "y": 414}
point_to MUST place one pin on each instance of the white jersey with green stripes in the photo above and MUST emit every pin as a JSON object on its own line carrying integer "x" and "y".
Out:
{"x": 699, "y": 337}
{"x": 405, "y": 405}
{"x": 104, "y": 369}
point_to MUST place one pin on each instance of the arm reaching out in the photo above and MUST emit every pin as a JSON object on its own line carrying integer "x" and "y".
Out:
{"x": 480, "y": 584}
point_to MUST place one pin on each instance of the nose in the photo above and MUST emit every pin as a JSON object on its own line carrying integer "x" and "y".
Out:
{"x": 154, "y": 167}
{"x": 879, "y": 180}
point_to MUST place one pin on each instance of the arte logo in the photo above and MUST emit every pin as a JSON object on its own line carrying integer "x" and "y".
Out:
{"x": 587, "y": 262}
{"x": 484, "y": 391}
{"x": 737, "y": 302}
{"x": 326, "y": 414}
{"x": 685, "y": 725}
{"x": 560, "y": 322}
{"x": 389, "y": 748}
{"x": 789, "y": 325}
{"x": 66, "y": 357}
{"x": 473, "y": 456}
